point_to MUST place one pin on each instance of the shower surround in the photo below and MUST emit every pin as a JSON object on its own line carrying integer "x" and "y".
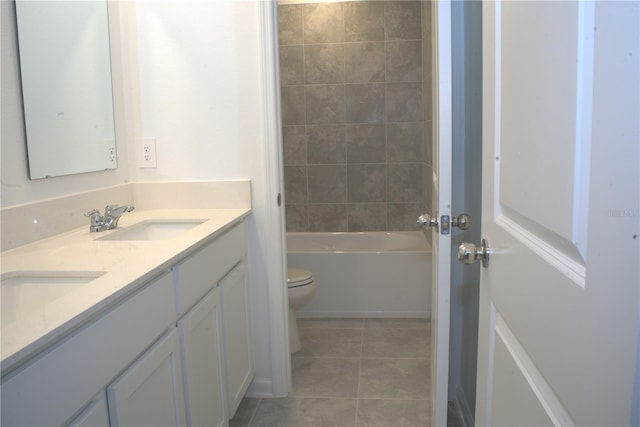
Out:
{"x": 355, "y": 140}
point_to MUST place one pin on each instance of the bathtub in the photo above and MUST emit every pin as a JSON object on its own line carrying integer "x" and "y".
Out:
{"x": 372, "y": 274}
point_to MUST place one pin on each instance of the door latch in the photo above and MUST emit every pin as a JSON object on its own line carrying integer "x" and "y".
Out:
{"x": 468, "y": 253}
{"x": 426, "y": 221}
{"x": 462, "y": 221}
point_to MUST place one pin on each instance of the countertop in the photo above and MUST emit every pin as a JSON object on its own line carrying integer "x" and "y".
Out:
{"x": 128, "y": 264}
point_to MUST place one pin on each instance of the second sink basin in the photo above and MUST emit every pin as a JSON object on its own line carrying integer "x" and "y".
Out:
{"x": 153, "y": 230}
{"x": 24, "y": 292}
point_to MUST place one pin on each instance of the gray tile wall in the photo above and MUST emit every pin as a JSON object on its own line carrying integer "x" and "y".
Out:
{"x": 353, "y": 114}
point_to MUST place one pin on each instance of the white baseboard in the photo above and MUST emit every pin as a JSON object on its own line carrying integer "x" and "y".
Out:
{"x": 261, "y": 387}
{"x": 463, "y": 405}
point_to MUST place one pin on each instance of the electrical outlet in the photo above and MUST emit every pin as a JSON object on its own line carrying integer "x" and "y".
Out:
{"x": 148, "y": 153}
{"x": 111, "y": 154}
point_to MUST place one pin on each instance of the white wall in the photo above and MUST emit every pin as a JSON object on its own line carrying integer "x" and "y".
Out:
{"x": 201, "y": 97}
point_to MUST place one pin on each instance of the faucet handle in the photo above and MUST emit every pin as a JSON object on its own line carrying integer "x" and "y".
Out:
{"x": 96, "y": 219}
{"x": 92, "y": 212}
{"x": 109, "y": 208}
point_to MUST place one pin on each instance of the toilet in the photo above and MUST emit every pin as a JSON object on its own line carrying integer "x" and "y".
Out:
{"x": 300, "y": 291}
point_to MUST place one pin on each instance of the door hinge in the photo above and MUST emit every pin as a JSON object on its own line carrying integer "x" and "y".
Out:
{"x": 279, "y": 199}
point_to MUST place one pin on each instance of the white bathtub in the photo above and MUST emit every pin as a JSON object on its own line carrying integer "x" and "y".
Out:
{"x": 373, "y": 274}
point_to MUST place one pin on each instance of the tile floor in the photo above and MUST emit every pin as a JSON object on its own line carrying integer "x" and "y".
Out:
{"x": 352, "y": 372}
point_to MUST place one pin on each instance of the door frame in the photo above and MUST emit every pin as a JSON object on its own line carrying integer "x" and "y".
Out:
{"x": 278, "y": 302}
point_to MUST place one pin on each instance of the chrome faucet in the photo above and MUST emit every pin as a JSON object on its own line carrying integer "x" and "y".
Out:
{"x": 109, "y": 221}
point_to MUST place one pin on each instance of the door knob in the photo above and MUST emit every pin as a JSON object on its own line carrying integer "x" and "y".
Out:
{"x": 425, "y": 221}
{"x": 468, "y": 253}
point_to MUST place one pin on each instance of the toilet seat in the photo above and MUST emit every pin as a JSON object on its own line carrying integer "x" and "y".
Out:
{"x": 298, "y": 277}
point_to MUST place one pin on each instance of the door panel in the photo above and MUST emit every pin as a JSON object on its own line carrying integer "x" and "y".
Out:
{"x": 559, "y": 300}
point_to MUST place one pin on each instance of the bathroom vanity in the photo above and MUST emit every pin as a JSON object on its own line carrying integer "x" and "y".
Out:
{"x": 155, "y": 330}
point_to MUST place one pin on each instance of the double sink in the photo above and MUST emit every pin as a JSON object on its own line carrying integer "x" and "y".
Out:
{"x": 26, "y": 292}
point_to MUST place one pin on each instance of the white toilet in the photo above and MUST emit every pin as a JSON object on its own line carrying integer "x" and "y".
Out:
{"x": 300, "y": 289}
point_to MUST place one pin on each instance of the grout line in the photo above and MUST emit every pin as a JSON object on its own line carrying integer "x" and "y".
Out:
{"x": 359, "y": 372}
{"x": 255, "y": 411}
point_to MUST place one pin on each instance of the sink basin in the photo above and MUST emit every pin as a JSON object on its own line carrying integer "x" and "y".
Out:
{"x": 153, "y": 230}
{"x": 24, "y": 292}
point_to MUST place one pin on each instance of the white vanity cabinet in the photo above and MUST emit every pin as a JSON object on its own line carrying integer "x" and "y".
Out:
{"x": 207, "y": 288}
{"x": 201, "y": 344}
{"x": 59, "y": 383}
{"x": 237, "y": 335}
{"x": 176, "y": 351}
{"x": 149, "y": 392}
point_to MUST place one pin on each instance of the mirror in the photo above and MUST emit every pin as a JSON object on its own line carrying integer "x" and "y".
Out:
{"x": 66, "y": 86}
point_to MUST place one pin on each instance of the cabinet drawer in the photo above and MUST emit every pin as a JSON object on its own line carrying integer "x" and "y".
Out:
{"x": 200, "y": 272}
{"x": 58, "y": 383}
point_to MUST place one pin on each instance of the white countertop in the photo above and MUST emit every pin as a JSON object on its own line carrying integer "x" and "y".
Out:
{"x": 127, "y": 264}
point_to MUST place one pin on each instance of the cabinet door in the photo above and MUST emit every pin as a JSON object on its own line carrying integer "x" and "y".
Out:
{"x": 201, "y": 346}
{"x": 94, "y": 415}
{"x": 237, "y": 335}
{"x": 149, "y": 393}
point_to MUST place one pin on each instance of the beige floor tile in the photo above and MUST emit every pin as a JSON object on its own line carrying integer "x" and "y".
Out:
{"x": 342, "y": 323}
{"x": 306, "y": 412}
{"x": 393, "y": 342}
{"x": 394, "y": 379}
{"x": 322, "y": 342}
{"x": 245, "y": 412}
{"x": 397, "y": 323}
{"x": 324, "y": 377}
{"x": 393, "y": 413}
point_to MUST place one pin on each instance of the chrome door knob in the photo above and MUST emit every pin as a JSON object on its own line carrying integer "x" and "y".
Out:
{"x": 469, "y": 253}
{"x": 425, "y": 221}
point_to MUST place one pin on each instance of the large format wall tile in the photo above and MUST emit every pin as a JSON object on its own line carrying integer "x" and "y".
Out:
{"x": 367, "y": 182}
{"x": 404, "y": 102}
{"x": 402, "y": 20}
{"x": 328, "y": 217}
{"x": 364, "y": 62}
{"x": 293, "y": 105}
{"x": 403, "y": 61}
{"x": 365, "y": 103}
{"x": 290, "y": 24}
{"x": 324, "y": 63}
{"x": 327, "y": 183}
{"x": 402, "y": 216}
{"x": 365, "y": 143}
{"x": 291, "y": 65}
{"x": 404, "y": 182}
{"x": 326, "y": 144}
{"x": 364, "y": 21}
{"x": 325, "y": 104}
{"x": 296, "y": 191}
{"x": 404, "y": 142}
{"x": 356, "y": 114}
{"x": 296, "y": 216}
{"x": 294, "y": 145}
{"x": 323, "y": 23}
{"x": 367, "y": 216}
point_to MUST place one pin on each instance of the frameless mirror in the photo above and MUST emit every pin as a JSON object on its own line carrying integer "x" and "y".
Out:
{"x": 66, "y": 86}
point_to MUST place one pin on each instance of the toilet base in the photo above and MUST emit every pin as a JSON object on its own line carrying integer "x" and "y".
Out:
{"x": 294, "y": 337}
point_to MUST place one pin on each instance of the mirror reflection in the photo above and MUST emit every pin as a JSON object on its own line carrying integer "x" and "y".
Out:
{"x": 66, "y": 86}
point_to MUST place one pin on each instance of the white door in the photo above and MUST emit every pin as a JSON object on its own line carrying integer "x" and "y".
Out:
{"x": 559, "y": 299}
{"x": 441, "y": 206}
